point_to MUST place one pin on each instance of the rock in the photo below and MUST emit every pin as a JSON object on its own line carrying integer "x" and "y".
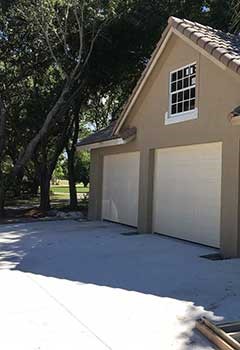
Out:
{"x": 61, "y": 214}
{"x": 70, "y": 215}
{"x": 34, "y": 213}
{"x": 76, "y": 215}
{"x": 52, "y": 212}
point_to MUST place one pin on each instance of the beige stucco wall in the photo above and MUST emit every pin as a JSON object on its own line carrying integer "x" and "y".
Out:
{"x": 218, "y": 92}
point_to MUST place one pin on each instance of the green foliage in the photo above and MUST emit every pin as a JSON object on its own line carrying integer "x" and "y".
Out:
{"x": 235, "y": 20}
{"x": 82, "y": 168}
{"x": 220, "y": 14}
{"x": 44, "y": 48}
{"x": 59, "y": 173}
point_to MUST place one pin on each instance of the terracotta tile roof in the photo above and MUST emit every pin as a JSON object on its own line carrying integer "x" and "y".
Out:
{"x": 225, "y": 47}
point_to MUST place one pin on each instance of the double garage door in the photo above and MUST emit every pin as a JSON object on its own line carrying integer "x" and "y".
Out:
{"x": 186, "y": 191}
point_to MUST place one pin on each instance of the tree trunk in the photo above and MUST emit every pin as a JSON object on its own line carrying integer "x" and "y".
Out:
{"x": 48, "y": 166}
{"x": 2, "y": 193}
{"x": 45, "y": 178}
{"x": 71, "y": 150}
{"x": 45, "y": 192}
{"x": 3, "y": 115}
{"x": 71, "y": 181}
{"x": 35, "y": 186}
{"x": 2, "y": 201}
{"x": 17, "y": 187}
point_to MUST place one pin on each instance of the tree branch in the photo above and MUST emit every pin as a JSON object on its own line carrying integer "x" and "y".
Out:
{"x": 62, "y": 140}
{"x": 45, "y": 32}
{"x": 94, "y": 38}
{"x": 57, "y": 110}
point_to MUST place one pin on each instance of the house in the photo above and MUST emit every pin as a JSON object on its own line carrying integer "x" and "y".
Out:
{"x": 171, "y": 163}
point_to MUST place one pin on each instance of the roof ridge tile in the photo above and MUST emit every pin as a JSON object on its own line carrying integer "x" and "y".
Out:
{"x": 223, "y": 46}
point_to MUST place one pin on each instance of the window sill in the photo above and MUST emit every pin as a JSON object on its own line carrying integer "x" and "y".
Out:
{"x": 181, "y": 117}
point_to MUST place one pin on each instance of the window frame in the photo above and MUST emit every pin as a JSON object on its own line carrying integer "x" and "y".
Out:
{"x": 185, "y": 115}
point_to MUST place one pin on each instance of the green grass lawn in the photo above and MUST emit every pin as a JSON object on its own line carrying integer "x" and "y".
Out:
{"x": 65, "y": 189}
{"x": 59, "y": 195}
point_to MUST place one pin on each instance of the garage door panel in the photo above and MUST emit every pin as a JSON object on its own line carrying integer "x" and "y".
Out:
{"x": 187, "y": 192}
{"x": 120, "y": 188}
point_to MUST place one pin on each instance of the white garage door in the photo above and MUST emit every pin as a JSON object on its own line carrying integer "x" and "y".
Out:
{"x": 120, "y": 188}
{"x": 187, "y": 193}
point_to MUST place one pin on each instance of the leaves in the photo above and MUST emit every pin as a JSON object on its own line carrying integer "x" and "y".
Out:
{"x": 235, "y": 20}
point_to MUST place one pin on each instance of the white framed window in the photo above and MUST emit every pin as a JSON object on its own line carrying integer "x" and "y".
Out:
{"x": 182, "y": 95}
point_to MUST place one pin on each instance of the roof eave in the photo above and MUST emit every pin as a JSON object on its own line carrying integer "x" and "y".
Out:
{"x": 108, "y": 143}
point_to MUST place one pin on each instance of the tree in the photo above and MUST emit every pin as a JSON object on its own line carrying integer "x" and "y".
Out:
{"x": 71, "y": 152}
{"x": 82, "y": 168}
{"x": 50, "y": 153}
{"x": 59, "y": 173}
{"x": 219, "y": 14}
{"x": 56, "y": 21}
{"x": 2, "y": 146}
{"x": 69, "y": 30}
{"x": 235, "y": 20}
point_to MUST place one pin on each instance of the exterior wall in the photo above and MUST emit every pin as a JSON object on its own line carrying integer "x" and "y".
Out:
{"x": 217, "y": 94}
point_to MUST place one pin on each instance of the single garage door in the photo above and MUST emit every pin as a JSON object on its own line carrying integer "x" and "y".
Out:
{"x": 120, "y": 188}
{"x": 187, "y": 193}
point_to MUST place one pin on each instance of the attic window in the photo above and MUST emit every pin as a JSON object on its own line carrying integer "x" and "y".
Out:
{"x": 182, "y": 94}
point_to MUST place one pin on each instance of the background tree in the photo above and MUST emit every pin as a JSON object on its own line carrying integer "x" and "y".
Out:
{"x": 82, "y": 168}
{"x": 67, "y": 30}
{"x": 59, "y": 171}
{"x": 235, "y": 20}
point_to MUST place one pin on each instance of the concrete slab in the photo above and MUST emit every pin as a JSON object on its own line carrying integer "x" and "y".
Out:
{"x": 72, "y": 285}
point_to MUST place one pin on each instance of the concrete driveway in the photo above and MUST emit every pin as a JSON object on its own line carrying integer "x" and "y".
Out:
{"x": 91, "y": 285}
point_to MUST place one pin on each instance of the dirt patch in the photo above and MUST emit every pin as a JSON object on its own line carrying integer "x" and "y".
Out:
{"x": 32, "y": 214}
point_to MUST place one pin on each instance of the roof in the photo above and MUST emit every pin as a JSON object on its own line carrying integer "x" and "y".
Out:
{"x": 221, "y": 46}
{"x": 106, "y": 134}
{"x": 236, "y": 112}
{"x": 225, "y": 47}
{"x": 99, "y": 136}
{"x": 234, "y": 116}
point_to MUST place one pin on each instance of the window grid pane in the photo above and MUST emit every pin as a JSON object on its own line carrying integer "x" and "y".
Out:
{"x": 183, "y": 90}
